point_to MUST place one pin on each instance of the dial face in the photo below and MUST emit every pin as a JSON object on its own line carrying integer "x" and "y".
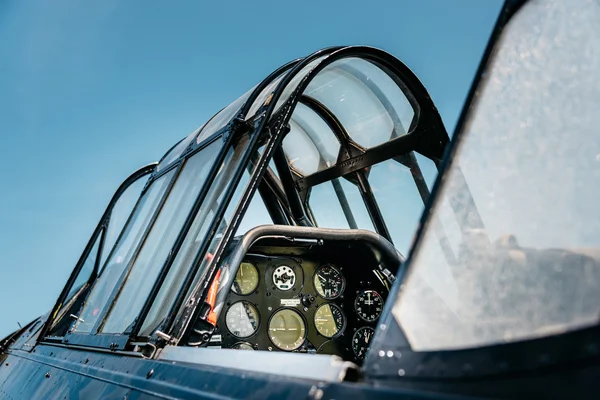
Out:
{"x": 329, "y": 320}
{"x": 329, "y": 282}
{"x": 361, "y": 340}
{"x": 242, "y": 346}
{"x": 368, "y": 305}
{"x": 287, "y": 329}
{"x": 246, "y": 279}
{"x": 284, "y": 277}
{"x": 242, "y": 319}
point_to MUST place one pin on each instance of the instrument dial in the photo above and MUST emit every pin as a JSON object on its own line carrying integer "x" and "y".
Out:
{"x": 329, "y": 282}
{"x": 246, "y": 279}
{"x": 361, "y": 340}
{"x": 329, "y": 320}
{"x": 284, "y": 277}
{"x": 368, "y": 305}
{"x": 287, "y": 329}
{"x": 242, "y": 319}
{"x": 242, "y": 346}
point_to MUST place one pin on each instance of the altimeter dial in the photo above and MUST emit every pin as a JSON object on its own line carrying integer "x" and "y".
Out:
{"x": 329, "y": 282}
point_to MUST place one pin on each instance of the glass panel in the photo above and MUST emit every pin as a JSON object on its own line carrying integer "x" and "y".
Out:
{"x": 325, "y": 207}
{"x": 227, "y": 219}
{"x": 428, "y": 169}
{"x": 311, "y": 145}
{"x": 86, "y": 270}
{"x": 223, "y": 117}
{"x": 192, "y": 243}
{"x": 359, "y": 209}
{"x": 289, "y": 89}
{"x": 159, "y": 242}
{"x": 326, "y": 203}
{"x": 524, "y": 189}
{"x": 74, "y": 298}
{"x": 369, "y": 104}
{"x": 122, "y": 254}
{"x": 119, "y": 215}
{"x": 176, "y": 152}
{"x": 185, "y": 257}
{"x": 256, "y": 214}
{"x": 399, "y": 201}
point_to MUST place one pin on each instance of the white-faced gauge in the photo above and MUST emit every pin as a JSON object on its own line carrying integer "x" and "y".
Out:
{"x": 242, "y": 319}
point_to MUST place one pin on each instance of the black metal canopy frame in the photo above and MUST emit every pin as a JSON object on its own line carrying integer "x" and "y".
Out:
{"x": 251, "y": 131}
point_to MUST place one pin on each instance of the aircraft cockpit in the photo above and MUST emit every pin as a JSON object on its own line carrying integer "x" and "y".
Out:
{"x": 279, "y": 225}
{"x": 322, "y": 230}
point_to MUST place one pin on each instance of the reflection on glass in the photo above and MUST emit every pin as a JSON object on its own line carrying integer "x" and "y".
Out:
{"x": 160, "y": 240}
{"x": 368, "y": 103}
{"x": 523, "y": 189}
{"x": 120, "y": 257}
{"x": 310, "y": 146}
{"x": 196, "y": 236}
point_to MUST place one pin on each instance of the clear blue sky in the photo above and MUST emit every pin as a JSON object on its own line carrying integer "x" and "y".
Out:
{"x": 90, "y": 91}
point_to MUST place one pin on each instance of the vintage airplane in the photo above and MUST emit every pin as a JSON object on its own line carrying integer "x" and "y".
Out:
{"x": 264, "y": 255}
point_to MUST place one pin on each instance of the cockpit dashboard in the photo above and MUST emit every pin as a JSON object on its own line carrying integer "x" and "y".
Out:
{"x": 307, "y": 295}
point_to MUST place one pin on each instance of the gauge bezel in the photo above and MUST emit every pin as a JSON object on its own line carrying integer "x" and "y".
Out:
{"x": 303, "y": 321}
{"x": 344, "y": 320}
{"x": 380, "y": 312}
{"x": 257, "y": 313}
{"x": 257, "y": 281}
{"x": 354, "y": 335}
{"x": 339, "y": 271}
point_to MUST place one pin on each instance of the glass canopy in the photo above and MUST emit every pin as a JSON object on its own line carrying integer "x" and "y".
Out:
{"x": 309, "y": 145}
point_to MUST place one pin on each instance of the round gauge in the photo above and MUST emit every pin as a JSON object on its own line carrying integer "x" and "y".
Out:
{"x": 242, "y": 346}
{"x": 287, "y": 329}
{"x": 242, "y": 319}
{"x": 284, "y": 277}
{"x": 361, "y": 340}
{"x": 368, "y": 305}
{"x": 329, "y": 320}
{"x": 246, "y": 279}
{"x": 329, "y": 282}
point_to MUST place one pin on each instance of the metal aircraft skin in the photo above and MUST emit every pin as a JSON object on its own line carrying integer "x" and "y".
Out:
{"x": 323, "y": 238}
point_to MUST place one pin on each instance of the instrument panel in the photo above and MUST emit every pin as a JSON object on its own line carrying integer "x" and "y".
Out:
{"x": 304, "y": 304}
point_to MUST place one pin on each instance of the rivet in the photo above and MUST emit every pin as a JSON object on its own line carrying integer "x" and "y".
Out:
{"x": 401, "y": 372}
{"x": 390, "y": 353}
{"x": 381, "y": 353}
{"x": 150, "y": 373}
{"x": 382, "y": 327}
{"x": 47, "y": 374}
